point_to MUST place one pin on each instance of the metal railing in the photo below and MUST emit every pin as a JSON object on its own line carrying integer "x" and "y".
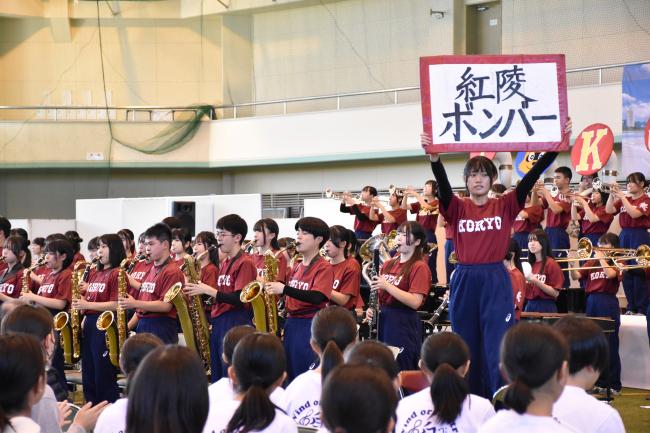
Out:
{"x": 168, "y": 113}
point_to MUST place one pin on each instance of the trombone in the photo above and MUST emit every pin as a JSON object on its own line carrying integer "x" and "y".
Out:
{"x": 615, "y": 255}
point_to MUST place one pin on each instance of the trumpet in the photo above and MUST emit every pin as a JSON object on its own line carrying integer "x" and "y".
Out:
{"x": 599, "y": 185}
{"x": 329, "y": 193}
{"x": 392, "y": 189}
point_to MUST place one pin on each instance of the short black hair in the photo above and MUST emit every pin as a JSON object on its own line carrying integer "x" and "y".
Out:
{"x": 564, "y": 171}
{"x": 638, "y": 178}
{"x": 234, "y": 224}
{"x": 93, "y": 244}
{"x": 611, "y": 239}
{"x": 136, "y": 348}
{"x": 160, "y": 231}
{"x": 19, "y": 231}
{"x": 478, "y": 164}
{"x": 39, "y": 241}
{"x": 371, "y": 189}
{"x": 173, "y": 222}
{"x": 315, "y": 226}
{"x": 5, "y": 226}
{"x": 74, "y": 239}
{"x": 587, "y": 344}
{"x": 62, "y": 247}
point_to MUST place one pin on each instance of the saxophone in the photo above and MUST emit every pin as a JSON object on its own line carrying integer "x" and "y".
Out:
{"x": 68, "y": 325}
{"x": 27, "y": 273}
{"x": 199, "y": 322}
{"x": 114, "y": 324}
{"x": 265, "y": 305}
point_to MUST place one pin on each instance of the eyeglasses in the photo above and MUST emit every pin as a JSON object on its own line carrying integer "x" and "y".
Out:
{"x": 221, "y": 234}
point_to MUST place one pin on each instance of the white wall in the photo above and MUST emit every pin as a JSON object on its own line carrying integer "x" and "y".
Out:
{"x": 96, "y": 217}
{"x": 43, "y": 227}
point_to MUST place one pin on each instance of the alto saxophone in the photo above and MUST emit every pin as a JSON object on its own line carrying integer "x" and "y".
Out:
{"x": 265, "y": 305}
{"x": 27, "y": 273}
{"x": 116, "y": 330}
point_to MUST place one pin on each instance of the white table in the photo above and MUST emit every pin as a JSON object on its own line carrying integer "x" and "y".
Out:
{"x": 635, "y": 352}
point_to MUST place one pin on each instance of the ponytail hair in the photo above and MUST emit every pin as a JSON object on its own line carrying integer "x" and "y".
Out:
{"x": 259, "y": 362}
{"x": 17, "y": 245}
{"x": 443, "y": 354}
{"x": 22, "y": 366}
{"x": 208, "y": 240}
{"x": 272, "y": 227}
{"x": 334, "y": 325}
{"x": 531, "y": 354}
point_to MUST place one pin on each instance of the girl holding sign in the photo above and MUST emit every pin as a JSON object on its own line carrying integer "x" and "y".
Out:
{"x": 481, "y": 305}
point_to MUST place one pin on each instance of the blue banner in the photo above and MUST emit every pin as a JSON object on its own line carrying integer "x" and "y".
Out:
{"x": 636, "y": 111}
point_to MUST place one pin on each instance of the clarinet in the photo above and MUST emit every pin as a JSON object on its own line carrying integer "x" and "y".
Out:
{"x": 370, "y": 271}
{"x": 436, "y": 314}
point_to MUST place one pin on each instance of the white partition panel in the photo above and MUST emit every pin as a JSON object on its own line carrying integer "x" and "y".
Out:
{"x": 96, "y": 217}
{"x": 40, "y": 228}
{"x": 248, "y": 206}
{"x": 287, "y": 227}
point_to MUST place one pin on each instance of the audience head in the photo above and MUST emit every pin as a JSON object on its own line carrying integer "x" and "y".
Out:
{"x": 135, "y": 349}
{"x": 332, "y": 330}
{"x": 377, "y": 354}
{"x": 232, "y": 337}
{"x": 444, "y": 358}
{"x": 358, "y": 399}
{"x": 168, "y": 393}
{"x": 22, "y": 376}
{"x": 588, "y": 346}
{"x": 534, "y": 359}
{"x": 258, "y": 367}
{"x": 34, "y": 320}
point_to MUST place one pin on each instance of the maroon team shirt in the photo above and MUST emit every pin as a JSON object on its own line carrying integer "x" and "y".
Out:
{"x": 518, "y": 290}
{"x": 102, "y": 287}
{"x": 600, "y": 226}
{"x": 209, "y": 274}
{"x": 417, "y": 281}
{"x": 78, "y": 257}
{"x": 642, "y": 204}
{"x": 427, "y": 218}
{"x": 530, "y": 223}
{"x": 347, "y": 280}
{"x": 317, "y": 276}
{"x": 3, "y": 265}
{"x": 234, "y": 274}
{"x": 596, "y": 281}
{"x": 140, "y": 270}
{"x": 449, "y": 231}
{"x": 399, "y": 215}
{"x": 258, "y": 259}
{"x": 57, "y": 285}
{"x": 155, "y": 285}
{"x": 11, "y": 285}
{"x": 365, "y": 225}
{"x": 482, "y": 233}
{"x": 552, "y": 276}
{"x": 562, "y": 219}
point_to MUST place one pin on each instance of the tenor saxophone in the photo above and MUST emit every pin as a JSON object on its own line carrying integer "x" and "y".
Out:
{"x": 265, "y": 305}
{"x": 199, "y": 323}
{"x": 114, "y": 324}
{"x": 68, "y": 325}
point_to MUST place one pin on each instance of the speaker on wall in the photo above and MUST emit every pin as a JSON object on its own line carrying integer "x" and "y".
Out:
{"x": 186, "y": 212}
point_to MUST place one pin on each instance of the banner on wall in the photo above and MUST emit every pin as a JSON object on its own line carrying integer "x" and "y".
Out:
{"x": 494, "y": 103}
{"x": 636, "y": 115}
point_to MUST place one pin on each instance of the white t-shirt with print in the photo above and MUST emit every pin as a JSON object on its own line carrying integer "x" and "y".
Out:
{"x": 221, "y": 413}
{"x": 585, "y": 413}
{"x": 415, "y": 414}
{"x": 113, "y": 418}
{"x": 223, "y": 390}
{"x": 303, "y": 399}
{"x": 509, "y": 421}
